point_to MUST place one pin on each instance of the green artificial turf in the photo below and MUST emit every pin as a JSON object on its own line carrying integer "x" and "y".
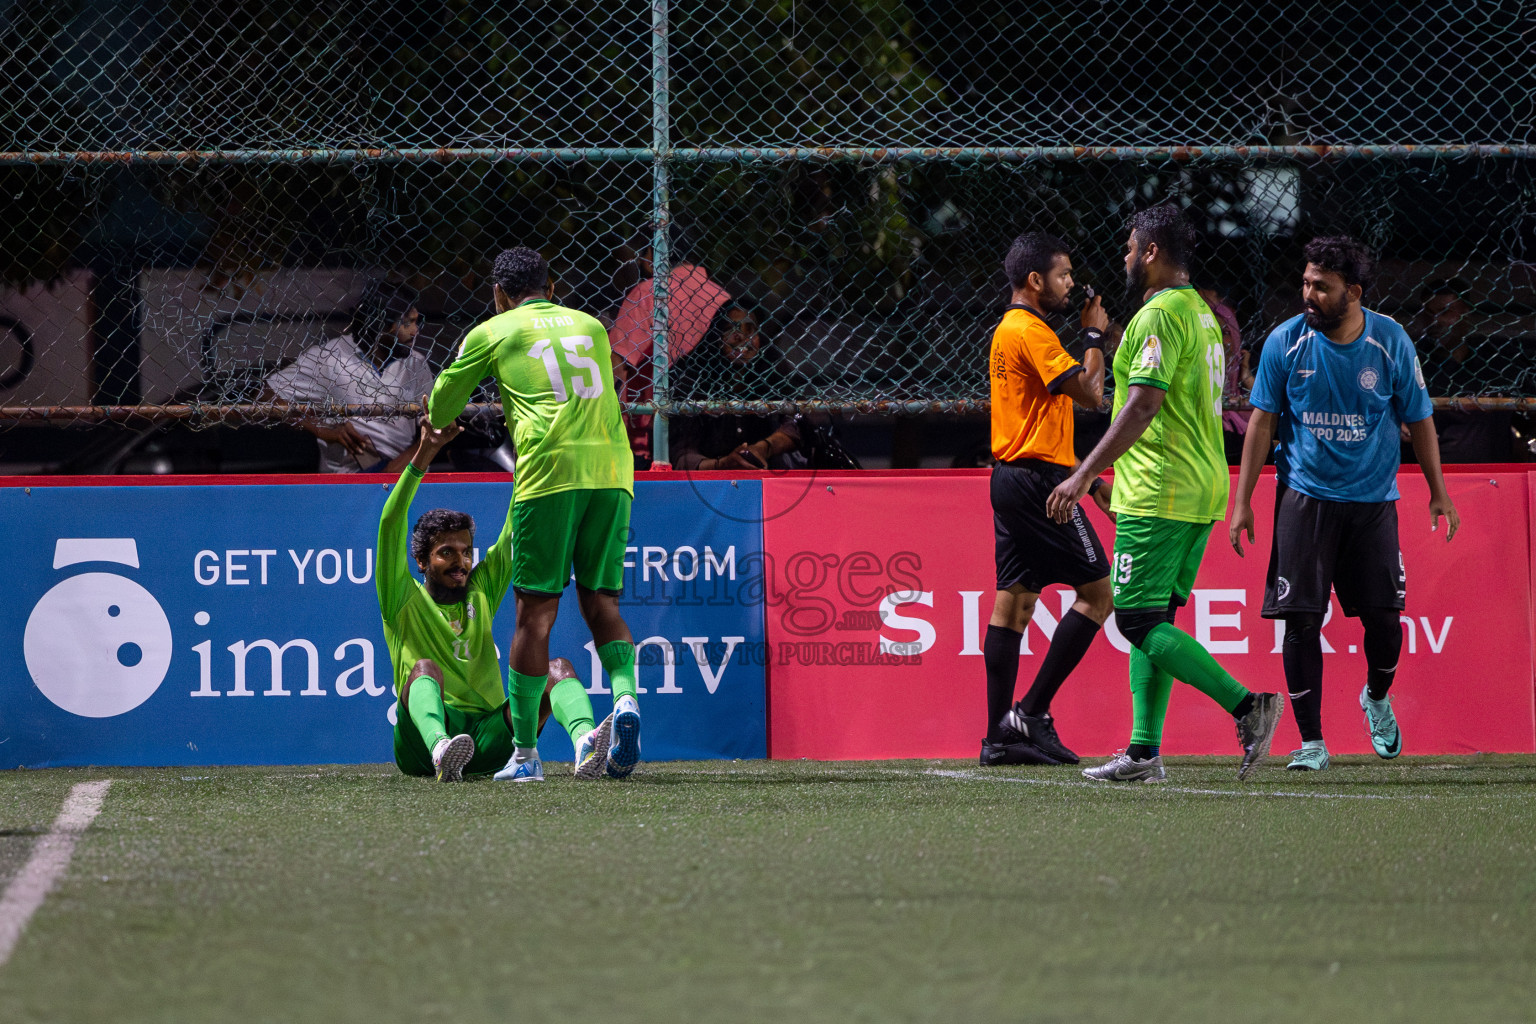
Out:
{"x": 794, "y": 891}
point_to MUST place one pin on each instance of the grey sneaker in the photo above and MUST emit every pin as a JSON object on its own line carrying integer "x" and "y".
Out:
{"x": 1256, "y": 730}
{"x": 1122, "y": 768}
{"x": 451, "y": 755}
{"x": 592, "y": 751}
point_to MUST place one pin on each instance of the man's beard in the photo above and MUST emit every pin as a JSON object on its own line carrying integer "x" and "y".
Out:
{"x": 1136, "y": 278}
{"x": 443, "y": 593}
{"x": 1056, "y": 303}
{"x": 1320, "y": 319}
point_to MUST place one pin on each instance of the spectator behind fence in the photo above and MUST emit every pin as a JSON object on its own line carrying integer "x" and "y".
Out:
{"x": 374, "y": 364}
{"x": 693, "y": 299}
{"x": 732, "y": 362}
{"x": 1234, "y": 424}
{"x": 1452, "y": 366}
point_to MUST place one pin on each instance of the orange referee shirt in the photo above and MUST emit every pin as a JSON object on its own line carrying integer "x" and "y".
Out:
{"x": 1027, "y": 367}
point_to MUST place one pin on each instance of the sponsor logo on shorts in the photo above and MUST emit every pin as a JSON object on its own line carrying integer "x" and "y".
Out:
{"x": 1082, "y": 534}
{"x": 1368, "y": 378}
{"x": 1282, "y": 587}
{"x": 1304, "y": 374}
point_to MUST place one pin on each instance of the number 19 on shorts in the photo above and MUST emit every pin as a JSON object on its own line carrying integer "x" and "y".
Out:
{"x": 1122, "y": 569}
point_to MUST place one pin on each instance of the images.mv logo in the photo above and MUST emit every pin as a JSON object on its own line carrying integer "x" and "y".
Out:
{"x": 97, "y": 644}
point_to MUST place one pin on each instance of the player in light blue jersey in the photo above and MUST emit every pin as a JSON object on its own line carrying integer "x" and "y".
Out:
{"x": 1335, "y": 386}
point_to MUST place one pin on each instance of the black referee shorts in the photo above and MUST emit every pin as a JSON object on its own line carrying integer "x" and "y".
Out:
{"x": 1346, "y": 546}
{"x": 1033, "y": 549}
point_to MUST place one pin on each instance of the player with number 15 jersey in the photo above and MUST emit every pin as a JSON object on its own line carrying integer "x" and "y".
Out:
{"x": 555, "y": 374}
{"x": 574, "y": 484}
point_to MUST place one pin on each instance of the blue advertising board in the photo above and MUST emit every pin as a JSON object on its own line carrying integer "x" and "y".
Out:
{"x": 239, "y": 624}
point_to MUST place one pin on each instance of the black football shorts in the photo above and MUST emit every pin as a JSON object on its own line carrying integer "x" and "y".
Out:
{"x": 1033, "y": 549}
{"x": 1345, "y": 546}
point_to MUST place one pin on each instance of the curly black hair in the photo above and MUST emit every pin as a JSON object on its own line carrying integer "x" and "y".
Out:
{"x": 431, "y": 525}
{"x": 520, "y": 271}
{"x": 1342, "y": 255}
{"x": 1032, "y": 253}
{"x": 1165, "y": 225}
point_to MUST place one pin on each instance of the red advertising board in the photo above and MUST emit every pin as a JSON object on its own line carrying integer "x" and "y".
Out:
{"x": 882, "y": 587}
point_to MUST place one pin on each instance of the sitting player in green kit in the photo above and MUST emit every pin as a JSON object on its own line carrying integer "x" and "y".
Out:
{"x": 454, "y": 716}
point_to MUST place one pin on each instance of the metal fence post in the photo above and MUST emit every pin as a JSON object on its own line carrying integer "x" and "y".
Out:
{"x": 661, "y": 256}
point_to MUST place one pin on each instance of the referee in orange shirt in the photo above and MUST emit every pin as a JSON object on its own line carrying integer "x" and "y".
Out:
{"x": 1034, "y": 383}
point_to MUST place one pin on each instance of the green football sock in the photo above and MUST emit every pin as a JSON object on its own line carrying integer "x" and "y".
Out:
{"x": 618, "y": 659}
{"x": 1179, "y": 654}
{"x": 525, "y": 693}
{"x": 424, "y": 703}
{"x": 1150, "y": 688}
{"x": 569, "y": 703}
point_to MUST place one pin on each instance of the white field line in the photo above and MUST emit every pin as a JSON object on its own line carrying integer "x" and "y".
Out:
{"x": 1163, "y": 787}
{"x": 49, "y": 860}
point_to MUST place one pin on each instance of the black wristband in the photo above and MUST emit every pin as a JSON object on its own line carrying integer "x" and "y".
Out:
{"x": 1098, "y": 482}
{"x": 1093, "y": 338}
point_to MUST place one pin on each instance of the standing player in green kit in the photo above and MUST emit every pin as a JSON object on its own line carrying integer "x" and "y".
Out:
{"x": 452, "y": 714}
{"x": 571, "y": 494}
{"x": 1171, "y": 483}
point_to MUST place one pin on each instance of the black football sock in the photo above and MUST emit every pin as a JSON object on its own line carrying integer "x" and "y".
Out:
{"x": 1073, "y": 636}
{"x": 1302, "y": 655}
{"x": 1383, "y": 647}
{"x": 1000, "y": 651}
{"x": 1142, "y": 751}
{"x": 1243, "y": 707}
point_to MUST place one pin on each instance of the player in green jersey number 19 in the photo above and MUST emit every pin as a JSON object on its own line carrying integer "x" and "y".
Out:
{"x": 452, "y": 713}
{"x": 571, "y": 494}
{"x": 1171, "y": 484}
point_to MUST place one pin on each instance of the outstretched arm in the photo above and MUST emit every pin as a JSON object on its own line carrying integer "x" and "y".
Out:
{"x": 1261, "y": 434}
{"x": 1141, "y": 405}
{"x": 1426, "y": 448}
{"x": 393, "y": 579}
{"x": 455, "y": 384}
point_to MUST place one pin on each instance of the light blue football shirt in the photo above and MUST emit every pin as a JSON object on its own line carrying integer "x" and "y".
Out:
{"x": 1340, "y": 407}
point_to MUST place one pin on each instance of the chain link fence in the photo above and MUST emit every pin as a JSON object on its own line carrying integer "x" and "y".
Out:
{"x": 809, "y": 200}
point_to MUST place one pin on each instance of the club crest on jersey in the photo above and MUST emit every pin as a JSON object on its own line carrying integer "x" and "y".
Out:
{"x": 1152, "y": 353}
{"x": 1368, "y": 378}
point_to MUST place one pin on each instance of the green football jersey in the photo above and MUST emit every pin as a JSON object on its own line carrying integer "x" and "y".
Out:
{"x": 555, "y": 374}
{"x": 455, "y": 636}
{"x": 1177, "y": 469}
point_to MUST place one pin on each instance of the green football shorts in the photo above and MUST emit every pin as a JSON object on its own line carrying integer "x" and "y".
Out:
{"x": 1155, "y": 560}
{"x": 491, "y": 731}
{"x": 584, "y": 530}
